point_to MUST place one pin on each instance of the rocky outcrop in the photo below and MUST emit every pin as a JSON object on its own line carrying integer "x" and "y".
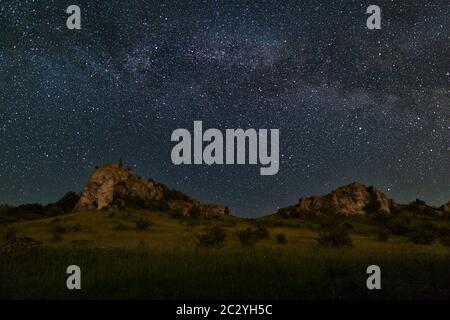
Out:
{"x": 354, "y": 198}
{"x": 445, "y": 208}
{"x": 112, "y": 184}
{"x": 112, "y": 181}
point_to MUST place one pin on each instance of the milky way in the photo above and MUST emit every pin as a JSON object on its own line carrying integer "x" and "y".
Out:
{"x": 351, "y": 104}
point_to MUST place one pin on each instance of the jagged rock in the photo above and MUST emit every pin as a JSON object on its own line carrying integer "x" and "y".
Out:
{"x": 20, "y": 244}
{"x": 445, "y": 208}
{"x": 112, "y": 181}
{"x": 208, "y": 210}
{"x": 112, "y": 185}
{"x": 354, "y": 198}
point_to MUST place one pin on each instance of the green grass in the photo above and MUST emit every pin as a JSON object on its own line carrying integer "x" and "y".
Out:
{"x": 250, "y": 273}
{"x": 164, "y": 262}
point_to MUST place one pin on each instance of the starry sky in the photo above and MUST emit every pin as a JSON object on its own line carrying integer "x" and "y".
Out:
{"x": 351, "y": 104}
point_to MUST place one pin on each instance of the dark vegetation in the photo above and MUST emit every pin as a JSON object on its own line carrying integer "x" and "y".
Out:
{"x": 10, "y": 214}
{"x": 383, "y": 235}
{"x": 135, "y": 203}
{"x": 142, "y": 224}
{"x": 10, "y": 234}
{"x": 251, "y": 235}
{"x": 212, "y": 236}
{"x": 417, "y": 222}
{"x": 206, "y": 274}
{"x": 281, "y": 238}
{"x": 336, "y": 236}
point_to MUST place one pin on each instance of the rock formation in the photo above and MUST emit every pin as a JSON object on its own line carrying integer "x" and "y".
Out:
{"x": 354, "y": 198}
{"x": 112, "y": 184}
{"x": 445, "y": 208}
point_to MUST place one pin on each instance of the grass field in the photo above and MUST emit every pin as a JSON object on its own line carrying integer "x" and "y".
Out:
{"x": 164, "y": 261}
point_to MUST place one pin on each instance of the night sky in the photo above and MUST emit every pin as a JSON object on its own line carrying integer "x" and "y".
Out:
{"x": 351, "y": 104}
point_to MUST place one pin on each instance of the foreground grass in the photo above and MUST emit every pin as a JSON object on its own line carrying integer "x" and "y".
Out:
{"x": 164, "y": 261}
{"x": 246, "y": 273}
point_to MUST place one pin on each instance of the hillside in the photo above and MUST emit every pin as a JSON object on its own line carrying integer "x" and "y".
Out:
{"x": 134, "y": 249}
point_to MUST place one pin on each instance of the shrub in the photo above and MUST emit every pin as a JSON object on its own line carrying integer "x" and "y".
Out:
{"x": 75, "y": 227}
{"x": 348, "y": 225}
{"x": 250, "y": 236}
{"x": 194, "y": 212}
{"x": 247, "y": 237}
{"x": 10, "y": 234}
{"x": 58, "y": 228}
{"x": 142, "y": 224}
{"x": 383, "y": 235}
{"x": 422, "y": 236}
{"x": 176, "y": 214}
{"x": 212, "y": 236}
{"x": 445, "y": 241}
{"x": 119, "y": 227}
{"x": 68, "y": 201}
{"x": 373, "y": 206}
{"x": 431, "y": 227}
{"x": 425, "y": 233}
{"x": 171, "y": 194}
{"x": 335, "y": 237}
{"x": 53, "y": 210}
{"x": 261, "y": 232}
{"x": 399, "y": 225}
{"x": 281, "y": 238}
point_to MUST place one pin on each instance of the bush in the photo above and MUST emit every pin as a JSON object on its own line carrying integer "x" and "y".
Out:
{"x": 422, "y": 237}
{"x": 335, "y": 237}
{"x": 10, "y": 234}
{"x": 445, "y": 241}
{"x": 372, "y": 207}
{"x": 261, "y": 232}
{"x": 247, "y": 237}
{"x": 53, "y": 210}
{"x": 142, "y": 224}
{"x": 195, "y": 212}
{"x": 58, "y": 228}
{"x": 426, "y": 233}
{"x": 75, "y": 227}
{"x": 281, "y": 238}
{"x": 119, "y": 227}
{"x": 212, "y": 236}
{"x": 251, "y": 235}
{"x": 383, "y": 235}
{"x": 348, "y": 225}
{"x": 176, "y": 214}
{"x": 399, "y": 225}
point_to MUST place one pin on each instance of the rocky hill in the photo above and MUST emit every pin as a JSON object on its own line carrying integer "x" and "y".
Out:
{"x": 112, "y": 186}
{"x": 445, "y": 208}
{"x": 354, "y": 198}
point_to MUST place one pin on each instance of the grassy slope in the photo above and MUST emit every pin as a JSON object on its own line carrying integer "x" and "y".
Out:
{"x": 165, "y": 262}
{"x": 97, "y": 230}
